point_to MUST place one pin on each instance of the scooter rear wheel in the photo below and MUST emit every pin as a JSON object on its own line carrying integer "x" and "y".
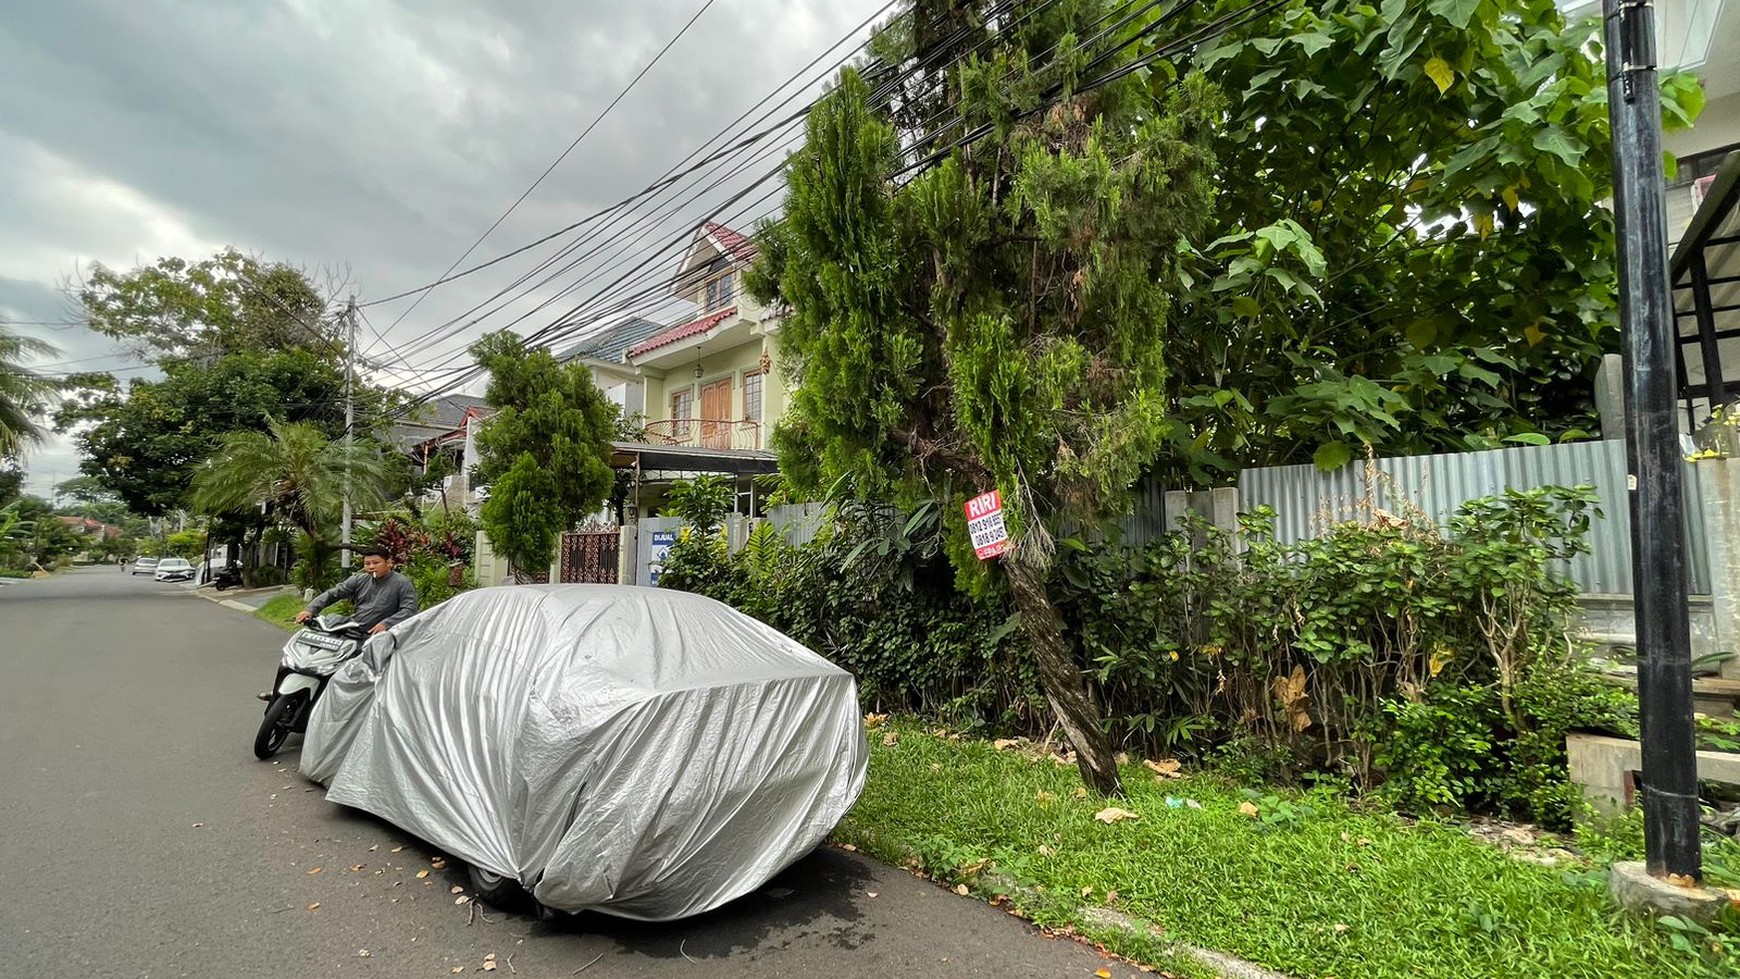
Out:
{"x": 275, "y": 727}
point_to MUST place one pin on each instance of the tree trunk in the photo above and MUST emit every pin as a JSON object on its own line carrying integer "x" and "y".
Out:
{"x": 1060, "y": 674}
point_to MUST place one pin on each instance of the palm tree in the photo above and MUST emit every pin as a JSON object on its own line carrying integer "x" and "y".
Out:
{"x": 299, "y": 474}
{"x": 21, "y": 393}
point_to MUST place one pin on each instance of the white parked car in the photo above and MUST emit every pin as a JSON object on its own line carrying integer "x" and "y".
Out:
{"x": 646, "y": 753}
{"x": 173, "y": 569}
{"x": 144, "y": 565}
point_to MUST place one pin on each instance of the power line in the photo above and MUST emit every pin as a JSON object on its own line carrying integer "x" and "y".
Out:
{"x": 551, "y": 168}
{"x": 679, "y": 172}
{"x": 1208, "y": 32}
{"x": 888, "y": 79}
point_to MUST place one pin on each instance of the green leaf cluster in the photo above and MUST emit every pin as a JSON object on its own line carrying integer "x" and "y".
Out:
{"x": 545, "y": 453}
{"x": 1409, "y": 245}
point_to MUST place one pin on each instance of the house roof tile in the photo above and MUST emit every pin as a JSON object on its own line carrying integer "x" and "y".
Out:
{"x": 685, "y": 331}
{"x": 741, "y": 247}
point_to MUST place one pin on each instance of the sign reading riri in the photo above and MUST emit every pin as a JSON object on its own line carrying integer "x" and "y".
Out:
{"x": 985, "y": 524}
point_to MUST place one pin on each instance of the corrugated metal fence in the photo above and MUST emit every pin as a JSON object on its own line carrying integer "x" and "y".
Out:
{"x": 1306, "y": 500}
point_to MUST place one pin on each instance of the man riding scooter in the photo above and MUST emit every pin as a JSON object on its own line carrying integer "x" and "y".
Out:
{"x": 383, "y": 597}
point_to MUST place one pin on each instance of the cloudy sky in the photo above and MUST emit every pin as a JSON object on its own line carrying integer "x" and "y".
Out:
{"x": 375, "y": 140}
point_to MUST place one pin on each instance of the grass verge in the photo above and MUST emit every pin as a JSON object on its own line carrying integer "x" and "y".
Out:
{"x": 1308, "y": 886}
{"x": 281, "y": 611}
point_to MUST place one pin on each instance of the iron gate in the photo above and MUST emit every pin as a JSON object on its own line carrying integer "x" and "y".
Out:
{"x": 589, "y": 556}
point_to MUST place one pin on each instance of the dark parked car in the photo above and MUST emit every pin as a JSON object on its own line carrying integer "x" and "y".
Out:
{"x": 646, "y": 753}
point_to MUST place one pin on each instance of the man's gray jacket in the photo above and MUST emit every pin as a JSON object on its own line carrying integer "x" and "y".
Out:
{"x": 392, "y": 599}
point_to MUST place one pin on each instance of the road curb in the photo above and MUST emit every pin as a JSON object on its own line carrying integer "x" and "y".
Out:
{"x": 992, "y": 883}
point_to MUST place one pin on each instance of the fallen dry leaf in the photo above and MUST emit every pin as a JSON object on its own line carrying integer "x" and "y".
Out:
{"x": 1004, "y": 744}
{"x": 962, "y": 890}
{"x": 315, "y": 906}
{"x": 936, "y": 766}
{"x": 456, "y": 970}
{"x": 1681, "y": 880}
{"x": 396, "y": 849}
{"x": 890, "y": 739}
{"x": 1081, "y": 792}
{"x": 1340, "y": 929}
{"x": 1046, "y": 851}
{"x": 1248, "y": 809}
{"x": 1113, "y": 814}
{"x": 849, "y": 848}
{"x": 457, "y": 890}
{"x": 355, "y": 867}
{"x": 489, "y": 965}
{"x": 462, "y": 900}
{"x": 869, "y": 893}
{"x": 875, "y": 720}
{"x": 1111, "y": 897}
{"x": 377, "y": 846}
{"x": 314, "y": 871}
{"x": 362, "y": 953}
{"x": 438, "y": 864}
{"x": 1087, "y": 892}
{"x": 1103, "y": 973}
{"x": 1165, "y": 768}
{"x": 198, "y": 825}
{"x": 1045, "y": 798}
{"x": 422, "y": 874}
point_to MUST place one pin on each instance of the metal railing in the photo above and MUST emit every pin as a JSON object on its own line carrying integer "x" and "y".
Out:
{"x": 705, "y": 433}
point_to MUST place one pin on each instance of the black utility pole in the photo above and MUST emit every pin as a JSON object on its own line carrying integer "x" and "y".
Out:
{"x": 1664, "y": 674}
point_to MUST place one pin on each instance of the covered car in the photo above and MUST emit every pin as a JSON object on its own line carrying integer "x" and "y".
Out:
{"x": 647, "y": 753}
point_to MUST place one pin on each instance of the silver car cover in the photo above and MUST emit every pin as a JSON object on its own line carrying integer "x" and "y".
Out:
{"x": 647, "y": 753}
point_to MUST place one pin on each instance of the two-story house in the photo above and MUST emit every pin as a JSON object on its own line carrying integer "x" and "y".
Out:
{"x": 710, "y": 381}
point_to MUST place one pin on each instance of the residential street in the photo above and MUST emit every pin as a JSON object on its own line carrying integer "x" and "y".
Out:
{"x": 140, "y": 838}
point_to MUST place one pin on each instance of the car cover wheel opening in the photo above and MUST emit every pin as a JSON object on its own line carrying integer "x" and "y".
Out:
{"x": 275, "y": 727}
{"x": 494, "y": 888}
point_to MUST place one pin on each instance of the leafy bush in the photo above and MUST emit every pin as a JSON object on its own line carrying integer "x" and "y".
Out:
{"x": 268, "y": 575}
{"x": 1429, "y": 662}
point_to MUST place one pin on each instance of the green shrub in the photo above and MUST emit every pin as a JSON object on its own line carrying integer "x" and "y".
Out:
{"x": 1431, "y": 662}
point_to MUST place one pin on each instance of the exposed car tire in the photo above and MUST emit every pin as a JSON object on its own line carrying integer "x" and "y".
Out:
{"x": 502, "y": 892}
{"x": 275, "y": 727}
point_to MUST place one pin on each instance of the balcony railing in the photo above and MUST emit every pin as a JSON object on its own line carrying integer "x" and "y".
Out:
{"x": 705, "y": 433}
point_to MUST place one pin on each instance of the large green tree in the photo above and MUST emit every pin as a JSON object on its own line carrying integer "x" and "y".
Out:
{"x": 996, "y": 320}
{"x": 544, "y": 454}
{"x": 225, "y": 304}
{"x": 299, "y": 475}
{"x": 1410, "y": 247}
{"x": 24, "y": 393}
{"x": 235, "y": 342}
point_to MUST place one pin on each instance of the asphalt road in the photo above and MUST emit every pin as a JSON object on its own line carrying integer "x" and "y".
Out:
{"x": 140, "y": 838}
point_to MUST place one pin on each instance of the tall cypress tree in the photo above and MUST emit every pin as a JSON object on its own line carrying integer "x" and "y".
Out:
{"x": 995, "y": 320}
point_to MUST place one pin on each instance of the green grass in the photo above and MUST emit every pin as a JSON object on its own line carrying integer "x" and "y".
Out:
{"x": 1333, "y": 892}
{"x": 281, "y": 611}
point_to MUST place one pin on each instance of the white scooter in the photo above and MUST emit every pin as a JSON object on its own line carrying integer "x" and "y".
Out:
{"x": 310, "y": 658}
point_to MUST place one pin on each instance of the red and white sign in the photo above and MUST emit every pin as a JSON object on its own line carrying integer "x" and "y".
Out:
{"x": 985, "y": 525}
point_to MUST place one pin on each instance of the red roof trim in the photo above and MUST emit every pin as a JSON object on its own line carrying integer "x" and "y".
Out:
{"x": 738, "y": 245}
{"x": 685, "y": 331}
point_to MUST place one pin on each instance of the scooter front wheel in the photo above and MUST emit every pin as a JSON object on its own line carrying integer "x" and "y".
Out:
{"x": 275, "y": 727}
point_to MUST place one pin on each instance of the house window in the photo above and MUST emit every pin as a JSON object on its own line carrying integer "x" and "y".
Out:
{"x": 1695, "y": 166}
{"x": 721, "y": 291}
{"x": 752, "y": 384}
{"x": 682, "y": 409}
